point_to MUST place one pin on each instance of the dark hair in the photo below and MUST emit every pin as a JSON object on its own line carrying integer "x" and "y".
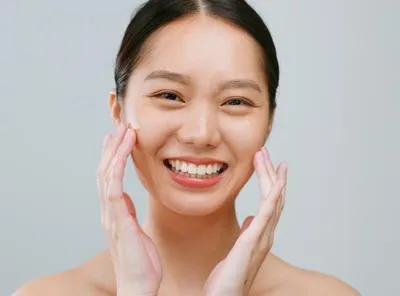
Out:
{"x": 156, "y": 13}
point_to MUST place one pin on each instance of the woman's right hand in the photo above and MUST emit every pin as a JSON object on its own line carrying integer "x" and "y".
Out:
{"x": 137, "y": 265}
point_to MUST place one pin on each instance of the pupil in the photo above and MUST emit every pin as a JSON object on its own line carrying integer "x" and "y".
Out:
{"x": 169, "y": 96}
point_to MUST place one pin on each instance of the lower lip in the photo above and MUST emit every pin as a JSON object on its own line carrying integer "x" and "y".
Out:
{"x": 193, "y": 182}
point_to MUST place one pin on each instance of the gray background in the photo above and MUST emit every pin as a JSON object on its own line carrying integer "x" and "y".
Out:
{"x": 337, "y": 126}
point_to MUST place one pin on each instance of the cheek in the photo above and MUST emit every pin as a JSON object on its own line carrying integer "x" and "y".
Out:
{"x": 155, "y": 127}
{"x": 244, "y": 135}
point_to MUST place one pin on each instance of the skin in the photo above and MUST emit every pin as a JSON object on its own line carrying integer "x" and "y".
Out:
{"x": 191, "y": 231}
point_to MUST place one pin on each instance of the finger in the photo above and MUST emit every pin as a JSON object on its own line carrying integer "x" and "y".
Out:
{"x": 281, "y": 204}
{"x": 284, "y": 196}
{"x": 111, "y": 149}
{"x": 136, "y": 254}
{"x": 114, "y": 197}
{"x": 238, "y": 261}
{"x": 264, "y": 215}
{"x": 122, "y": 226}
{"x": 281, "y": 175}
{"x": 268, "y": 236}
{"x": 269, "y": 165}
{"x": 153, "y": 253}
{"x": 106, "y": 141}
{"x": 129, "y": 210}
{"x": 100, "y": 187}
{"x": 108, "y": 150}
{"x": 236, "y": 265}
{"x": 111, "y": 227}
{"x": 264, "y": 179}
{"x": 246, "y": 223}
{"x": 210, "y": 288}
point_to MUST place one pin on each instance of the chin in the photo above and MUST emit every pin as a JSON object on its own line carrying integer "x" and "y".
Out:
{"x": 188, "y": 204}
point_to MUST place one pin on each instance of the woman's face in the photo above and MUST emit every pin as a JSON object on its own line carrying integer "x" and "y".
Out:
{"x": 200, "y": 98}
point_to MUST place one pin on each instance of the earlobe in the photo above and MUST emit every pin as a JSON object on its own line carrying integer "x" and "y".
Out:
{"x": 115, "y": 108}
{"x": 269, "y": 130}
{"x": 270, "y": 124}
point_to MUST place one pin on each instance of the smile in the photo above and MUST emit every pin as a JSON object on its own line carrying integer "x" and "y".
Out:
{"x": 195, "y": 173}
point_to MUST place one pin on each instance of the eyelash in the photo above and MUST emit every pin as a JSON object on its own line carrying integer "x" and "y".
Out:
{"x": 242, "y": 101}
{"x": 161, "y": 95}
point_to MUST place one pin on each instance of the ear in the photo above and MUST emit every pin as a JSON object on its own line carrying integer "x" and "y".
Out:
{"x": 270, "y": 124}
{"x": 115, "y": 107}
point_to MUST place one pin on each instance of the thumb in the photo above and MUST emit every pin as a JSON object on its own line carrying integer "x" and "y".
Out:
{"x": 131, "y": 211}
{"x": 211, "y": 285}
{"x": 246, "y": 223}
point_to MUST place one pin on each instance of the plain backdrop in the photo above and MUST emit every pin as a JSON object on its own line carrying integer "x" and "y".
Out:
{"x": 337, "y": 125}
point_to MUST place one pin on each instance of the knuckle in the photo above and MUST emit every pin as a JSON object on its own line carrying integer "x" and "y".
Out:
{"x": 107, "y": 228}
{"x": 107, "y": 177}
{"x": 267, "y": 214}
{"x": 116, "y": 171}
{"x": 282, "y": 206}
{"x": 106, "y": 140}
{"x": 116, "y": 175}
{"x": 270, "y": 241}
{"x": 110, "y": 230}
{"x": 247, "y": 240}
{"x": 125, "y": 225}
{"x": 119, "y": 159}
{"x": 113, "y": 197}
{"x": 99, "y": 175}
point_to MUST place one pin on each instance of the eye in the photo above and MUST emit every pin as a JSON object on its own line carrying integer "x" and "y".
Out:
{"x": 238, "y": 102}
{"x": 167, "y": 95}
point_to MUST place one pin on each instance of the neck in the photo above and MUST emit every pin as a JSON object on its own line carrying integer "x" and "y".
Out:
{"x": 189, "y": 246}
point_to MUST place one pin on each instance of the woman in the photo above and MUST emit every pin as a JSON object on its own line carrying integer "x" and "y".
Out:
{"x": 194, "y": 103}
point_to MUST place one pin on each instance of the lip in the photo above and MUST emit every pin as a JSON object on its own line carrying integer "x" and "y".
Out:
{"x": 198, "y": 161}
{"x": 188, "y": 182}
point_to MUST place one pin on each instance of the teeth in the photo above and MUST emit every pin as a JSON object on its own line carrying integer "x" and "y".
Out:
{"x": 192, "y": 169}
{"x": 201, "y": 170}
{"x": 209, "y": 169}
{"x": 215, "y": 167}
{"x": 183, "y": 167}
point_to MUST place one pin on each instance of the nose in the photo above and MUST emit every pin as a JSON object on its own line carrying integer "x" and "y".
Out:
{"x": 200, "y": 127}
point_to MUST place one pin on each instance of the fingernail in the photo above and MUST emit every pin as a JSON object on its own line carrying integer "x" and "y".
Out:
{"x": 286, "y": 169}
{"x": 266, "y": 154}
{"x": 121, "y": 126}
{"x": 260, "y": 157}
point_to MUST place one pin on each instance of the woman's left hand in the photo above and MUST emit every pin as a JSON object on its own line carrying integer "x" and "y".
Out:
{"x": 235, "y": 274}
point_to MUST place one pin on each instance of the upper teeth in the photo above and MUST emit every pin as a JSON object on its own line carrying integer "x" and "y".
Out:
{"x": 187, "y": 167}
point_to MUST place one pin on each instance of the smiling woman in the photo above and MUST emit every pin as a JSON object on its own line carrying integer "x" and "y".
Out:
{"x": 194, "y": 104}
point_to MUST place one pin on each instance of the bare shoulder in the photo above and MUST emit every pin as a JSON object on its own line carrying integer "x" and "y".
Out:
{"x": 61, "y": 284}
{"x": 315, "y": 283}
{"x": 285, "y": 279}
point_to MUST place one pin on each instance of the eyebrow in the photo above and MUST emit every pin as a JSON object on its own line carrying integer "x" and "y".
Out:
{"x": 162, "y": 74}
{"x": 182, "y": 79}
{"x": 240, "y": 84}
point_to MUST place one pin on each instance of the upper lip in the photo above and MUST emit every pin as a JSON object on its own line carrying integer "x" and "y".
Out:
{"x": 198, "y": 160}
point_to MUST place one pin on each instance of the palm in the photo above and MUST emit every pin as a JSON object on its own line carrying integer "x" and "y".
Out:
{"x": 145, "y": 255}
{"x": 214, "y": 279}
{"x": 235, "y": 274}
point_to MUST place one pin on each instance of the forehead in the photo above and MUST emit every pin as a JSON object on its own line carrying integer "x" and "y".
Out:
{"x": 203, "y": 46}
